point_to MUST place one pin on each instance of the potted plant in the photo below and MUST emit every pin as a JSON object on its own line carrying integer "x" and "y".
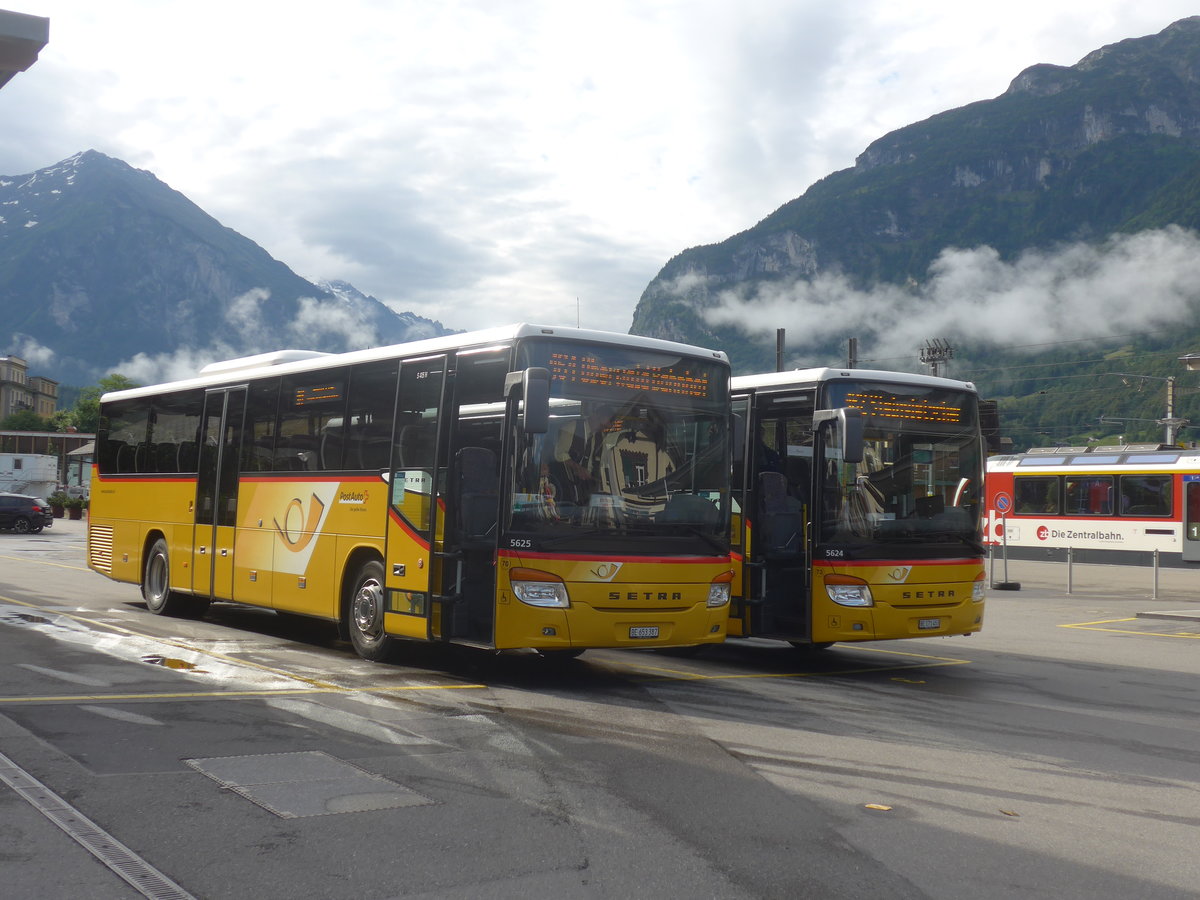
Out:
{"x": 58, "y": 504}
{"x": 74, "y": 507}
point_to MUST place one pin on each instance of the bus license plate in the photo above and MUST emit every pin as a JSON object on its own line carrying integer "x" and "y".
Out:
{"x": 643, "y": 631}
{"x": 929, "y": 624}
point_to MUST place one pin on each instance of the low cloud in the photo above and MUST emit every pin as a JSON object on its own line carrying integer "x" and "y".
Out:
{"x": 37, "y": 355}
{"x": 1140, "y": 282}
{"x": 318, "y": 323}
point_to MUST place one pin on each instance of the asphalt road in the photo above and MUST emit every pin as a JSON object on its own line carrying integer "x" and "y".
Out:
{"x": 1056, "y": 754}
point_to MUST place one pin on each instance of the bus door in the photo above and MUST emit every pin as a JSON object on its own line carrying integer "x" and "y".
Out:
{"x": 779, "y": 492}
{"x": 739, "y": 538}
{"x": 217, "y": 493}
{"x": 476, "y": 442}
{"x": 413, "y": 568}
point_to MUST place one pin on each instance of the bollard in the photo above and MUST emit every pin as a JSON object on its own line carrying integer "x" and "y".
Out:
{"x": 1004, "y": 585}
{"x": 1154, "y": 594}
{"x": 1070, "y": 572}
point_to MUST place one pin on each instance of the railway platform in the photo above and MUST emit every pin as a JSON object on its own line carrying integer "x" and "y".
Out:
{"x": 1169, "y": 593}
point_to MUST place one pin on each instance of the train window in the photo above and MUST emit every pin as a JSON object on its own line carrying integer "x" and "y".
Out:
{"x": 1036, "y": 495}
{"x": 1089, "y": 495}
{"x": 1145, "y": 495}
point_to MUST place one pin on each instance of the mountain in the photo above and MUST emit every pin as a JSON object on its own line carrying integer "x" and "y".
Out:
{"x": 1066, "y": 158}
{"x": 101, "y": 263}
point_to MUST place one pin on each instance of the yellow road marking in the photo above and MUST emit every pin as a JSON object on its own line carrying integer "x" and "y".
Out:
{"x": 1090, "y": 626}
{"x": 44, "y": 562}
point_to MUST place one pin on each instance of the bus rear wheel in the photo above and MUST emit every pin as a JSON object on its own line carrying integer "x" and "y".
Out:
{"x": 364, "y": 614}
{"x": 156, "y": 587}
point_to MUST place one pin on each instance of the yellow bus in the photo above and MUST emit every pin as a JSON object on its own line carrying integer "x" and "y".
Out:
{"x": 524, "y": 487}
{"x": 857, "y": 507}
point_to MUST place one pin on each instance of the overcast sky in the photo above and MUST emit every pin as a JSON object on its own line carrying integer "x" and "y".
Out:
{"x": 490, "y": 161}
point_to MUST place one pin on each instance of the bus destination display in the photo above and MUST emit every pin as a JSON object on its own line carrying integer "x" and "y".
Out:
{"x": 942, "y": 409}
{"x": 583, "y": 369}
{"x": 313, "y": 394}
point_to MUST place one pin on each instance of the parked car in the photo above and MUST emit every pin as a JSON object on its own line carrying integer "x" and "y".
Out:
{"x": 24, "y": 514}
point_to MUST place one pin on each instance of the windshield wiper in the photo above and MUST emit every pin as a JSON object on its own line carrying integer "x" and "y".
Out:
{"x": 709, "y": 539}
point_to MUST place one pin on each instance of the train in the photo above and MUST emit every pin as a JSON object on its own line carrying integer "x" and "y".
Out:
{"x": 1128, "y": 504}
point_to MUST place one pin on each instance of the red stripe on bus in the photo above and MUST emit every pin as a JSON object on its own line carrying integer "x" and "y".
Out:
{"x": 290, "y": 477}
{"x": 881, "y": 563}
{"x": 142, "y": 479}
{"x": 600, "y": 557}
{"x": 407, "y": 529}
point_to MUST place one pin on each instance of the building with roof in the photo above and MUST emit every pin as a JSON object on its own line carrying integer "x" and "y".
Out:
{"x": 22, "y": 38}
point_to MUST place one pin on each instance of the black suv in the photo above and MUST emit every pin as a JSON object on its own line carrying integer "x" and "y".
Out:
{"x": 25, "y": 515}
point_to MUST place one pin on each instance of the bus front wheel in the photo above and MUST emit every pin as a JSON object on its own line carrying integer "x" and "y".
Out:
{"x": 365, "y": 614}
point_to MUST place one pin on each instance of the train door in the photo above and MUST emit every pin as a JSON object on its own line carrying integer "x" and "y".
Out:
{"x": 1191, "y": 518}
{"x": 217, "y": 493}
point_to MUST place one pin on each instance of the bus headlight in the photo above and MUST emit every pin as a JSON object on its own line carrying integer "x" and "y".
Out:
{"x": 539, "y": 588}
{"x": 718, "y": 591}
{"x": 979, "y": 589}
{"x": 846, "y": 590}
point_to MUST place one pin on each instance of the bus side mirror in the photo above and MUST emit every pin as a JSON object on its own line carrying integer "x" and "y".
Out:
{"x": 535, "y": 398}
{"x": 850, "y": 429}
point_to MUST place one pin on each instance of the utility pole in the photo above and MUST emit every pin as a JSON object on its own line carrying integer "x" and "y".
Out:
{"x": 935, "y": 352}
{"x": 779, "y": 333}
{"x": 1170, "y": 423}
{"x": 852, "y": 354}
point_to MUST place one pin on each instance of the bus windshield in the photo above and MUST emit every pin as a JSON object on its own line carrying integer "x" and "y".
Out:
{"x": 918, "y": 489}
{"x": 635, "y": 457}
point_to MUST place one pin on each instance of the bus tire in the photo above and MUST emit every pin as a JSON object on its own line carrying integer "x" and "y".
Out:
{"x": 562, "y": 655}
{"x": 156, "y": 585}
{"x": 364, "y": 614}
{"x": 811, "y": 646}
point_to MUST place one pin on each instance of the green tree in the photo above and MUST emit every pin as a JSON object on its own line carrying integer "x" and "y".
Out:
{"x": 63, "y": 420}
{"x": 87, "y": 408}
{"x": 23, "y": 420}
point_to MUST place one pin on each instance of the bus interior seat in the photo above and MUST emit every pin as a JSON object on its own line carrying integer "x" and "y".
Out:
{"x": 332, "y": 445}
{"x": 296, "y": 452}
{"x": 373, "y": 445}
{"x": 781, "y": 515}
{"x": 689, "y": 509}
{"x": 798, "y": 473}
{"x": 165, "y": 457}
{"x": 416, "y": 446}
{"x": 188, "y": 456}
{"x": 478, "y": 494}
